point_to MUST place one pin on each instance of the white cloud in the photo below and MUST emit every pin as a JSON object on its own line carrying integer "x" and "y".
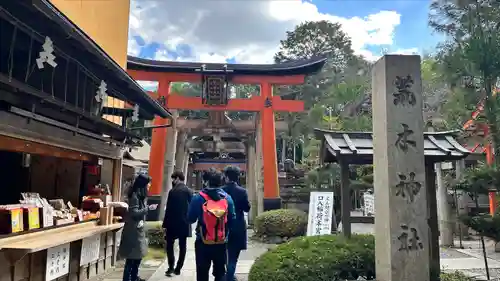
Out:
{"x": 133, "y": 47}
{"x": 369, "y": 56}
{"x": 148, "y": 85}
{"x": 249, "y": 31}
{"x": 410, "y": 51}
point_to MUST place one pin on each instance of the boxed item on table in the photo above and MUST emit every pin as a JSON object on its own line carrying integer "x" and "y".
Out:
{"x": 31, "y": 217}
{"x": 47, "y": 216}
{"x": 92, "y": 204}
{"x": 11, "y": 219}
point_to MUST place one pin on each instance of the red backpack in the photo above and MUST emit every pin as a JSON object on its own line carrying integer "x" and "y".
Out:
{"x": 215, "y": 219}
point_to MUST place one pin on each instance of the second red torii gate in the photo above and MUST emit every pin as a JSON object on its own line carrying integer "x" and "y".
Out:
{"x": 266, "y": 76}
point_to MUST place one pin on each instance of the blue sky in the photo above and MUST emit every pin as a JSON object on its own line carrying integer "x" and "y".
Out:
{"x": 412, "y": 32}
{"x": 249, "y": 31}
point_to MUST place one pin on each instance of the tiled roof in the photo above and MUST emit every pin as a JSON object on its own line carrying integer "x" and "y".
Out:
{"x": 357, "y": 147}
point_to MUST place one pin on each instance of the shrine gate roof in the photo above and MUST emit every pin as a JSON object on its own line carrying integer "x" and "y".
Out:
{"x": 298, "y": 67}
{"x": 357, "y": 147}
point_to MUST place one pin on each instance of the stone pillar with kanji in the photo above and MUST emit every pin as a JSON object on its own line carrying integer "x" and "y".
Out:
{"x": 401, "y": 228}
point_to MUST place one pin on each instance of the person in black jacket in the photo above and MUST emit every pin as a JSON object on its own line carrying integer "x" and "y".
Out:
{"x": 238, "y": 235}
{"x": 175, "y": 222}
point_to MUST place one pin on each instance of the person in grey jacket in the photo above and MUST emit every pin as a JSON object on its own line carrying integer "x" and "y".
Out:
{"x": 134, "y": 245}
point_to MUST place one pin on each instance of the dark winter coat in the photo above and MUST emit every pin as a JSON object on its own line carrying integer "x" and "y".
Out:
{"x": 238, "y": 235}
{"x": 175, "y": 220}
{"x": 134, "y": 244}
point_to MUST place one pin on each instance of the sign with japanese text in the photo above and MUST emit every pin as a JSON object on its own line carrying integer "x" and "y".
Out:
{"x": 320, "y": 213}
{"x": 368, "y": 204}
{"x": 90, "y": 249}
{"x": 57, "y": 262}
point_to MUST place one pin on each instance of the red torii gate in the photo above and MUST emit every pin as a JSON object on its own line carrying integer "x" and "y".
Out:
{"x": 214, "y": 77}
{"x": 488, "y": 149}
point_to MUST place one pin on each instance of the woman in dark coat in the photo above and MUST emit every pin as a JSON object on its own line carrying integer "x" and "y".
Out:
{"x": 134, "y": 245}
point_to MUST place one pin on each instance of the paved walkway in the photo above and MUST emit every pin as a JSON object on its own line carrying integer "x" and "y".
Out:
{"x": 246, "y": 260}
{"x": 472, "y": 261}
{"x": 468, "y": 260}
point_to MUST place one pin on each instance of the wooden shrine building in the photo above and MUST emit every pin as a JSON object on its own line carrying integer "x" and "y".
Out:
{"x": 54, "y": 133}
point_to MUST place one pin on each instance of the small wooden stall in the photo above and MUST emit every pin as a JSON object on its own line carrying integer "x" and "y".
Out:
{"x": 54, "y": 138}
{"x": 356, "y": 148}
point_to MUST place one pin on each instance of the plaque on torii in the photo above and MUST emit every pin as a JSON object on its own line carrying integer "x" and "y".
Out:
{"x": 215, "y": 89}
{"x": 215, "y": 79}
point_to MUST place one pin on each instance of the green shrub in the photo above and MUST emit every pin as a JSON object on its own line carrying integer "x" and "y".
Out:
{"x": 318, "y": 258}
{"x": 324, "y": 258}
{"x": 486, "y": 225}
{"x": 281, "y": 223}
{"x": 455, "y": 276}
{"x": 155, "y": 235}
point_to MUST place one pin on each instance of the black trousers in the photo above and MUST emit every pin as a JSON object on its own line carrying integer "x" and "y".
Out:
{"x": 131, "y": 270}
{"x": 206, "y": 255}
{"x": 170, "y": 241}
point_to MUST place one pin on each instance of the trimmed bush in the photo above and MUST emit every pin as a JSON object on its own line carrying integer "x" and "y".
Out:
{"x": 455, "y": 276}
{"x": 486, "y": 225}
{"x": 318, "y": 258}
{"x": 155, "y": 235}
{"x": 281, "y": 223}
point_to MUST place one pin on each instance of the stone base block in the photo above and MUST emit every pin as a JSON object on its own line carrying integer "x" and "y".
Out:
{"x": 272, "y": 204}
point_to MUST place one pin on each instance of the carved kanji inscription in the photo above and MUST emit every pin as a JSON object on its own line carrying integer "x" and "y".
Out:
{"x": 404, "y": 140}
{"x": 408, "y": 187}
{"x": 409, "y": 239}
{"x": 404, "y": 95}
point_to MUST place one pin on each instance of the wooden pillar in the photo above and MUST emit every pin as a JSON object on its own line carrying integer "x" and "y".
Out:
{"x": 283, "y": 149}
{"x": 259, "y": 178}
{"x": 444, "y": 209}
{"x": 185, "y": 163}
{"x": 345, "y": 197}
{"x": 116, "y": 186}
{"x": 189, "y": 177}
{"x": 199, "y": 182}
{"x": 432, "y": 219}
{"x": 294, "y": 152}
{"x": 271, "y": 187}
{"x": 158, "y": 145}
{"x": 251, "y": 179}
{"x": 168, "y": 167}
{"x": 181, "y": 146}
{"x": 461, "y": 200}
{"x": 489, "y": 160}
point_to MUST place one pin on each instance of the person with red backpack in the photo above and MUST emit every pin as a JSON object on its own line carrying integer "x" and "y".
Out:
{"x": 213, "y": 209}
